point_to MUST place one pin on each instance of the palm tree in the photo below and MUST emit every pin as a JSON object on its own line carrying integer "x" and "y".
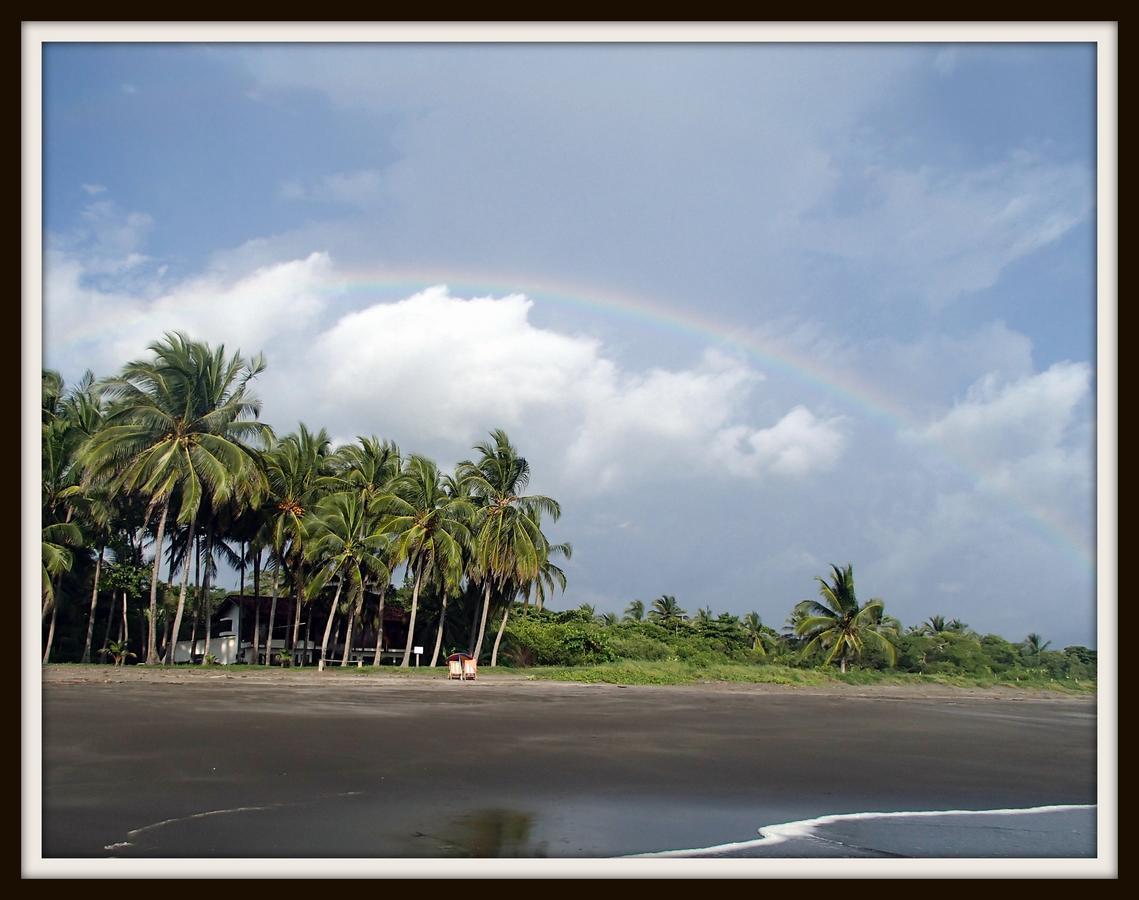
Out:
{"x": 183, "y": 422}
{"x": 703, "y": 616}
{"x": 344, "y": 546}
{"x": 666, "y": 611}
{"x": 588, "y": 610}
{"x": 608, "y": 619}
{"x": 508, "y": 546}
{"x": 934, "y": 625}
{"x": 300, "y": 471}
{"x": 429, "y": 527}
{"x": 1032, "y": 647}
{"x": 761, "y": 636}
{"x": 635, "y": 611}
{"x": 840, "y": 623}
{"x": 548, "y": 578}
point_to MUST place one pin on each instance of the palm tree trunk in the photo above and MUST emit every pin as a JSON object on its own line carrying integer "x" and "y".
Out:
{"x": 348, "y": 637}
{"x": 94, "y": 598}
{"x": 308, "y": 637}
{"x": 124, "y": 632}
{"x": 498, "y": 637}
{"x": 257, "y": 607}
{"x": 151, "y": 642}
{"x": 380, "y": 625}
{"x": 328, "y": 626}
{"x": 166, "y": 637}
{"x": 439, "y": 633}
{"x": 482, "y": 623}
{"x": 110, "y": 620}
{"x": 272, "y": 617}
{"x": 357, "y": 618}
{"x": 208, "y": 612}
{"x": 411, "y": 624}
{"x": 171, "y": 651}
{"x": 242, "y": 591}
{"x": 50, "y": 633}
{"x": 256, "y": 641}
{"x": 296, "y": 617}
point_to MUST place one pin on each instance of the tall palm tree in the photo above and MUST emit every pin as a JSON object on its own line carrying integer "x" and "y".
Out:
{"x": 182, "y": 422}
{"x": 344, "y": 546}
{"x": 300, "y": 470}
{"x": 429, "y": 527}
{"x": 840, "y": 623}
{"x": 508, "y": 545}
{"x": 635, "y": 611}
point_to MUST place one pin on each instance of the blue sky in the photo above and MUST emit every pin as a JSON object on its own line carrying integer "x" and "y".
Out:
{"x": 912, "y": 224}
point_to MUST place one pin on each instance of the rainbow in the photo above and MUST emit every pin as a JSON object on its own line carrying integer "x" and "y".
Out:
{"x": 396, "y": 284}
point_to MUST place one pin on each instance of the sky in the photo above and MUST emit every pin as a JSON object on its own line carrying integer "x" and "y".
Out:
{"x": 748, "y": 310}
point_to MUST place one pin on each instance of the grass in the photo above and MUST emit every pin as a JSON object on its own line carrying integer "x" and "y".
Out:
{"x": 676, "y": 672}
{"x": 663, "y": 672}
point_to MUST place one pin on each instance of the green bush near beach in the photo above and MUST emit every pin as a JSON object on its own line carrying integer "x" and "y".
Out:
{"x": 573, "y": 646}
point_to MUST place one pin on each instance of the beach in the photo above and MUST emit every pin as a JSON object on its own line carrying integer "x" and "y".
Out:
{"x": 140, "y": 763}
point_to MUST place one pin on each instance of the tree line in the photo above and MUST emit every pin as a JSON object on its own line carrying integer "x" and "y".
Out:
{"x": 171, "y": 453}
{"x": 836, "y": 629}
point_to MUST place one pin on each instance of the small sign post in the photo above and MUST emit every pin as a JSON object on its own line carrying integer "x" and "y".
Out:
{"x": 417, "y": 651}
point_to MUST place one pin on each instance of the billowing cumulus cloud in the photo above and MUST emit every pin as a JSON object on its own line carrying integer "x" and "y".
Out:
{"x": 442, "y": 370}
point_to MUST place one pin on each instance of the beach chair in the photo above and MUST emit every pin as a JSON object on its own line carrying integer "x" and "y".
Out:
{"x": 462, "y": 666}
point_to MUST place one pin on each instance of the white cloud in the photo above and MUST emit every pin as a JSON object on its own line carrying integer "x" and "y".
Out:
{"x": 999, "y": 422}
{"x": 447, "y": 369}
{"x": 93, "y": 189}
{"x": 1031, "y": 439}
{"x": 797, "y": 444}
{"x": 102, "y": 328}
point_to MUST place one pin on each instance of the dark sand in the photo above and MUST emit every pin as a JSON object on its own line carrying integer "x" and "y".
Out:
{"x": 289, "y": 764}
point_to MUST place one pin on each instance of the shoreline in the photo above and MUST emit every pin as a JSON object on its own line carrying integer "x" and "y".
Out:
{"x": 76, "y": 673}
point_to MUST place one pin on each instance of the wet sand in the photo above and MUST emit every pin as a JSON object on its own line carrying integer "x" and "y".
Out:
{"x": 174, "y": 764}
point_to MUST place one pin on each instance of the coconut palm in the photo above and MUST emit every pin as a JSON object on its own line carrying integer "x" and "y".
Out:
{"x": 508, "y": 546}
{"x": 343, "y": 545}
{"x": 1032, "y": 647}
{"x": 635, "y": 611}
{"x": 429, "y": 527}
{"x": 300, "y": 470}
{"x": 182, "y": 424}
{"x": 934, "y": 625}
{"x": 548, "y": 578}
{"x": 703, "y": 616}
{"x": 608, "y": 619}
{"x": 761, "y": 636}
{"x": 666, "y": 611}
{"x": 840, "y": 624}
